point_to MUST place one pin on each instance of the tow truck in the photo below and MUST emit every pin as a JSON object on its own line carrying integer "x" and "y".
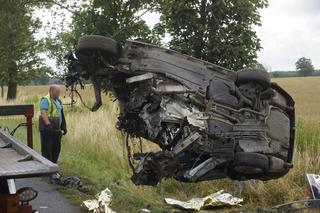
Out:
{"x": 18, "y": 160}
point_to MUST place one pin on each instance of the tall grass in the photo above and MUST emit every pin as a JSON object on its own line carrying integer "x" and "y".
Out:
{"x": 93, "y": 149}
{"x": 97, "y": 155}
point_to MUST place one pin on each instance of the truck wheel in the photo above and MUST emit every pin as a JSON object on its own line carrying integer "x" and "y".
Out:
{"x": 249, "y": 163}
{"x": 109, "y": 48}
{"x": 260, "y": 76}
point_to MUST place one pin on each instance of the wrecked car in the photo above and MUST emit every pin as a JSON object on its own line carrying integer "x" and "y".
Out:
{"x": 209, "y": 122}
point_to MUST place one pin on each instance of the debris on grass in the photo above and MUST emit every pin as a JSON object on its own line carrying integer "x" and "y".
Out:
{"x": 217, "y": 199}
{"x": 314, "y": 183}
{"x": 145, "y": 210}
{"x": 101, "y": 204}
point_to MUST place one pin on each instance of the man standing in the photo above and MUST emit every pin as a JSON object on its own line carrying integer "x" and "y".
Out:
{"x": 52, "y": 125}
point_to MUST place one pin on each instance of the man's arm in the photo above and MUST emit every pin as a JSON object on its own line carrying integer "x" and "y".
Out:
{"x": 45, "y": 117}
{"x": 44, "y": 106}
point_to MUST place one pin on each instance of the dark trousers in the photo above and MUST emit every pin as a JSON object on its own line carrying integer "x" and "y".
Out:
{"x": 50, "y": 144}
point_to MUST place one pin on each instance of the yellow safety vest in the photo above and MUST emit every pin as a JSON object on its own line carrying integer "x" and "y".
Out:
{"x": 53, "y": 109}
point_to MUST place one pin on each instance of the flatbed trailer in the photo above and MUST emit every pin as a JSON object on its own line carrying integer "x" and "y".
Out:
{"x": 18, "y": 160}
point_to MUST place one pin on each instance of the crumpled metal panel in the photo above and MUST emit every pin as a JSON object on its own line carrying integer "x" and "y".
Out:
{"x": 173, "y": 110}
{"x": 214, "y": 200}
{"x": 101, "y": 203}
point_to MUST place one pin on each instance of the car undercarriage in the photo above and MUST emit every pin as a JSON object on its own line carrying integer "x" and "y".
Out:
{"x": 209, "y": 122}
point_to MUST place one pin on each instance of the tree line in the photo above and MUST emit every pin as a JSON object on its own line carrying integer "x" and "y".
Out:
{"x": 304, "y": 67}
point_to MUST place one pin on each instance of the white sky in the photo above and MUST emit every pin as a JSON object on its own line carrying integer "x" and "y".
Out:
{"x": 290, "y": 30}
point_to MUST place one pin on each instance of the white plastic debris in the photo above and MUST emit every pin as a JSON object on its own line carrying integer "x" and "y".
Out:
{"x": 101, "y": 204}
{"x": 216, "y": 199}
{"x": 145, "y": 210}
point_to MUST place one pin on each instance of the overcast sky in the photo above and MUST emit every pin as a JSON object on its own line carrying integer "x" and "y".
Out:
{"x": 290, "y": 30}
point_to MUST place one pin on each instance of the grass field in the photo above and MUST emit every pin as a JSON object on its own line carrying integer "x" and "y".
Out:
{"x": 93, "y": 149}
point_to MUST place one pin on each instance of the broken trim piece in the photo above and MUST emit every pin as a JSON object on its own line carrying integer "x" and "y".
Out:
{"x": 214, "y": 200}
{"x": 182, "y": 145}
{"x": 138, "y": 78}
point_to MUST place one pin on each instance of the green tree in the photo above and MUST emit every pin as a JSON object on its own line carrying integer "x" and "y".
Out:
{"x": 19, "y": 50}
{"x": 119, "y": 19}
{"x": 304, "y": 66}
{"x": 219, "y": 31}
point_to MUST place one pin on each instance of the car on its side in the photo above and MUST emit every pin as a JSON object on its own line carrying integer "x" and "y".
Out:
{"x": 210, "y": 122}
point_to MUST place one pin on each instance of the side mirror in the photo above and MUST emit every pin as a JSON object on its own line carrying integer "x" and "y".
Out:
{"x": 27, "y": 194}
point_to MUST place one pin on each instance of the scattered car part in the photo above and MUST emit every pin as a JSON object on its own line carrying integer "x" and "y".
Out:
{"x": 217, "y": 199}
{"x": 210, "y": 122}
{"x": 101, "y": 204}
{"x": 144, "y": 210}
{"x": 314, "y": 183}
{"x": 72, "y": 182}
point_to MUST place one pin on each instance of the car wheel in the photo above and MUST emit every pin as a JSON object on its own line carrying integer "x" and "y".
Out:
{"x": 260, "y": 76}
{"x": 109, "y": 48}
{"x": 249, "y": 164}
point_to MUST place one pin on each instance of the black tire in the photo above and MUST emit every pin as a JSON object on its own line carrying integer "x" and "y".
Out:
{"x": 260, "y": 76}
{"x": 108, "y": 47}
{"x": 249, "y": 164}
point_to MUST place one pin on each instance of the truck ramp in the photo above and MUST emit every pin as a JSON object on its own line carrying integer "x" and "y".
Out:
{"x": 18, "y": 160}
